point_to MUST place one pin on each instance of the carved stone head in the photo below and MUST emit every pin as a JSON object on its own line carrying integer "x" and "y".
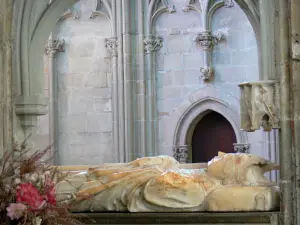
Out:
{"x": 241, "y": 168}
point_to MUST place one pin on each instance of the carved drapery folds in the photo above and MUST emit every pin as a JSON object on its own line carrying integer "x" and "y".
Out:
{"x": 181, "y": 153}
{"x": 241, "y": 148}
{"x": 206, "y": 39}
{"x": 260, "y": 105}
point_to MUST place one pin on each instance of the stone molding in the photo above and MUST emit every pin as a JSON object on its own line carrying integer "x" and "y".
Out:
{"x": 195, "y": 112}
{"x": 104, "y": 9}
{"x": 181, "y": 153}
{"x": 260, "y": 105}
{"x": 241, "y": 147}
{"x": 152, "y": 44}
{"x": 28, "y": 108}
{"x": 156, "y": 8}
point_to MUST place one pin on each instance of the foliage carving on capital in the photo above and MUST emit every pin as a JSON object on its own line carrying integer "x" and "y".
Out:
{"x": 241, "y": 148}
{"x": 152, "y": 44}
{"x": 228, "y": 3}
{"x": 171, "y": 8}
{"x": 111, "y": 45}
{"x": 181, "y": 153}
{"x": 53, "y": 46}
{"x": 207, "y": 40}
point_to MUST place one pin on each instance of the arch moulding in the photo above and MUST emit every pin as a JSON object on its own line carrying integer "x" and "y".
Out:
{"x": 193, "y": 114}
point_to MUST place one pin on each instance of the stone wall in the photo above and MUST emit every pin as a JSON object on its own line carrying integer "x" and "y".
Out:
{"x": 83, "y": 89}
{"x": 179, "y": 82}
{"x": 83, "y": 71}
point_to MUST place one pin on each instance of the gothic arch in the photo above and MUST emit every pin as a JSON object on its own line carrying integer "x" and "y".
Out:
{"x": 190, "y": 118}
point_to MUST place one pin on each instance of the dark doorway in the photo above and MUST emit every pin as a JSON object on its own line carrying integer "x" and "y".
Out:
{"x": 212, "y": 134}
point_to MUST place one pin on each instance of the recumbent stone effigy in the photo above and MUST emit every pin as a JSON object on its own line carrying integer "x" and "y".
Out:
{"x": 229, "y": 182}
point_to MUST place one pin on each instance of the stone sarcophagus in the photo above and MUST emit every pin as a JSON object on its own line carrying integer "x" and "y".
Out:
{"x": 229, "y": 182}
{"x": 260, "y": 105}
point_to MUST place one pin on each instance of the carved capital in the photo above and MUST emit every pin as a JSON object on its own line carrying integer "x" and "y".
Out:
{"x": 53, "y": 46}
{"x": 206, "y": 40}
{"x": 181, "y": 153}
{"x": 152, "y": 44}
{"x": 171, "y": 8}
{"x": 228, "y": 3}
{"x": 260, "y": 105}
{"x": 111, "y": 45}
{"x": 207, "y": 73}
{"x": 241, "y": 148}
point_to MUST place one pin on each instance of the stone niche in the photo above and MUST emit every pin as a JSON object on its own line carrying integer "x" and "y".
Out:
{"x": 259, "y": 105}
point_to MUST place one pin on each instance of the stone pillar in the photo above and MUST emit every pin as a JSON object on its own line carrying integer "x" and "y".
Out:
{"x": 53, "y": 46}
{"x": 152, "y": 44}
{"x": 120, "y": 80}
{"x": 181, "y": 153}
{"x": 112, "y": 47}
{"x": 6, "y": 97}
{"x": 241, "y": 148}
{"x": 129, "y": 75}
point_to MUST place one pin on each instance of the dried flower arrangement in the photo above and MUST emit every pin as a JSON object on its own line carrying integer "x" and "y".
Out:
{"x": 27, "y": 190}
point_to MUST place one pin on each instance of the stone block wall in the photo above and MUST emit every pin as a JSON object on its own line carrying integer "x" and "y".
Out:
{"x": 235, "y": 60}
{"x": 84, "y": 81}
{"x": 83, "y": 73}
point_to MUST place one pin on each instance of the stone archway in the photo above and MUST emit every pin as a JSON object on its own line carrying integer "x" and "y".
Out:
{"x": 182, "y": 139}
{"x": 213, "y": 133}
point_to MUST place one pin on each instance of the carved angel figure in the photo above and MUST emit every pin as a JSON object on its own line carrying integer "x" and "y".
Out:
{"x": 229, "y": 182}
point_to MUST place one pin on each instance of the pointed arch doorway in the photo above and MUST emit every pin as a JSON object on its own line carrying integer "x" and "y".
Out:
{"x": 212, "y": 133}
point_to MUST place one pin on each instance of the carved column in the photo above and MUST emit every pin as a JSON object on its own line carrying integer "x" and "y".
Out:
{"x": 181, "y": 153}
{"x": 141, "y": 120}
{"x": 241, "y": 148}
{"x": 129, "y": 74}
{"x": 152, "y": 44}
{"x": 54, "y": 46}
{"x": 6, "y": 97}
{"x": 111, "y": 45}
{"x": 120, "y": 80}
{"x": 206, "y": 39}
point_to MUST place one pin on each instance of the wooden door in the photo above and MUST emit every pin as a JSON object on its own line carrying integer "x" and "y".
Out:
{"x": 213, "y": 133}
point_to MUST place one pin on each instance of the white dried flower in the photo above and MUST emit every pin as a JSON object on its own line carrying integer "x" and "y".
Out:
{"x": 37, "y": 221}
{"x": 17, "y": 181}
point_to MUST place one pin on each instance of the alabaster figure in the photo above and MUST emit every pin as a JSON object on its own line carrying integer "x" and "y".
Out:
{"x": 229, "y": 182}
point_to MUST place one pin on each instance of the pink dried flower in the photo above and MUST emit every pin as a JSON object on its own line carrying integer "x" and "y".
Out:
{"x": 15, "y": 210}
{"x": 27, "y": 193}
{"x": 50, "y": 191}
